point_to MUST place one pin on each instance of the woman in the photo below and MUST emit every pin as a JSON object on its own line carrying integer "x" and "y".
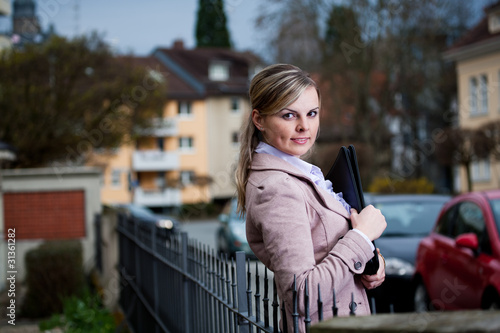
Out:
{"x": 296, "y": 225}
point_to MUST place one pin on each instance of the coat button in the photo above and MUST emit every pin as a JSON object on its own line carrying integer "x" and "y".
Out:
{"x": 357, "y": 265}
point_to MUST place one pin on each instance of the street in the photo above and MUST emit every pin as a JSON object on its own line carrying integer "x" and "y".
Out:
{"x": 204, "y": 231}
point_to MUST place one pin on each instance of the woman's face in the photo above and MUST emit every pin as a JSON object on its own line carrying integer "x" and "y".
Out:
{"x": 292, "y": 130}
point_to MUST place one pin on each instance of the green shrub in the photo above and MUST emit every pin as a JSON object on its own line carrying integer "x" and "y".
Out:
{"x": 54, "y": 271}
{"x": 199, "y": 210}
{"x": 84, "y": 314}
{"x": 391, "y": 186}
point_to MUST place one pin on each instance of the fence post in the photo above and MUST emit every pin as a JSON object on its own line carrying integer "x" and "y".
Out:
{"x": 156, "y": 297}
{"x": 241, "y": 288}
{"x": 98, "y": 241}
{"x": 185, "y": 280}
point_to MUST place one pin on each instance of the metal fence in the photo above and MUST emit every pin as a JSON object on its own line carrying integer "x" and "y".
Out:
{"x": 174, "y": 284}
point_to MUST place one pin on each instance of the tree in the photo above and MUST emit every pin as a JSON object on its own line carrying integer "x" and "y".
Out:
{"x": 211, "y": 25}
{"x": 384, "y": 82}
{"x": 422, "y": 84}
{"x": 490, "y": 132}
{"x": 63, "y": 99}
{"x": 292, "y": 32}
{"x": 463, "y": 146}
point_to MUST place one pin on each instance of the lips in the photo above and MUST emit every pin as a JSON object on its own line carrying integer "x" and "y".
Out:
{"x": 300, "y": 140}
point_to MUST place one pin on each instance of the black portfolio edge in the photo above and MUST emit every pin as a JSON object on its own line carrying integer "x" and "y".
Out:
{"x": 344, "y": 175}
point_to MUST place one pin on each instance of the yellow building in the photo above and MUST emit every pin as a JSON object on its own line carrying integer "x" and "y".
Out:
{"x": 189, "y": 156}
{"x": 477, "y": 57}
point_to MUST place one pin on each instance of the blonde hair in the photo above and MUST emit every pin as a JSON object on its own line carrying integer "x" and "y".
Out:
{"x": 271, "y": 90}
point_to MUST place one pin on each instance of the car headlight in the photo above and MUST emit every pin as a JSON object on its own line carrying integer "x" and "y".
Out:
{"x": 399, "y": 267}
{"x": 167, "y": 224}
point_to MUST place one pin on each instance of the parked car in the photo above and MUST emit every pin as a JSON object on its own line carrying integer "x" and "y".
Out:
{"x": 144, "y": 214}
{"x": 458, "y": 264}
{"x": 410, "y": 218}
{"x": 231, "y": 233}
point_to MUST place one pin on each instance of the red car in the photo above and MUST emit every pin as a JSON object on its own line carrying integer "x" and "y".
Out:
{"x": 458, "y": 264}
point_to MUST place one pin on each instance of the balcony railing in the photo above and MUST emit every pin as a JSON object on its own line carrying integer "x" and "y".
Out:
{"x": 160, "y": 127}
{"x": 158, "y": 197}
{"x": 155, "y": 160}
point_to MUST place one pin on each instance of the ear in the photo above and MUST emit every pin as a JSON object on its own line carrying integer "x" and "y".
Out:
{"x": 257, "y": 119}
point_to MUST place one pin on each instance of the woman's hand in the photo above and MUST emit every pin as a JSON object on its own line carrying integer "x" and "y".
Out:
{"x": 370, "y": 221}
{"x": 373, "y": 281}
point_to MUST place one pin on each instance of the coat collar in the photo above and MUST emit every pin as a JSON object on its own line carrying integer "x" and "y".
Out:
{"x": 267, "y": 162}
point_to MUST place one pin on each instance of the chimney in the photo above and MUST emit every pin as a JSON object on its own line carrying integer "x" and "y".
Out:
{"x": 178, "y": 44}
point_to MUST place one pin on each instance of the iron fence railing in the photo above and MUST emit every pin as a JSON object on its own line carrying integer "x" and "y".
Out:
{"x": 174, "y": 284}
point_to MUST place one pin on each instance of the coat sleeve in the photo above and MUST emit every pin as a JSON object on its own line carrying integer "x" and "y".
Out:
{"x": 280, "y": 212}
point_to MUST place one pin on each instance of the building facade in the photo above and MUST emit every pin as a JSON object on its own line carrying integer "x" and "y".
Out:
{"x": 189, "y": 155}
{"x": 5, "y": 10}
{"x": 48, "y": 204}
{"x": 477, "y": 58}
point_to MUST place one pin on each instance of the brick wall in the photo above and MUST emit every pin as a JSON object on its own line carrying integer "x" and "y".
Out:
{"x": 45, "y": 215}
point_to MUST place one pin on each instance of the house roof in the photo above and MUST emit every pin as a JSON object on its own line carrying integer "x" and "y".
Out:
{"x": 477, "y": 41}
{"x": 188, "y": 71}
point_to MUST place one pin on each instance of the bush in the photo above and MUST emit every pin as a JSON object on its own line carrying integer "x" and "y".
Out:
{"x": 200, "y": 210}
{"x": 54, "y": 272}
{"x": 84, "y": 314}
{"x": 388, "y": 185}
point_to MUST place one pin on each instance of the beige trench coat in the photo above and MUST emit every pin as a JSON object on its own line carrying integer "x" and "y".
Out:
{"x": 296, "y": 228}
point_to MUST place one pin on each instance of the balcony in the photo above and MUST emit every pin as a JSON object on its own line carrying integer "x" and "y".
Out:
{"x": 155, "y": 160}
{"x": 160, "y": 127}
{"x": 158, "y": 197}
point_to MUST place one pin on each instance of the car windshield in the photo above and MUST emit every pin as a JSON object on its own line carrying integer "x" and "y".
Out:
{"x": 409, "y": 218}
{"x": 495, "y": 207}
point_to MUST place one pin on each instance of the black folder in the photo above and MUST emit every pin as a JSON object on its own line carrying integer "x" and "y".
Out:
{"x": 344, "y": 175}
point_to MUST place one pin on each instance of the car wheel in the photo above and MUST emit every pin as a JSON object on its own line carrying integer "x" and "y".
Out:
{"x": 421, "y": 298}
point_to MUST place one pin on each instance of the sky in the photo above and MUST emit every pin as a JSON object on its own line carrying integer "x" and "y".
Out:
{"x": 138, "y": 27}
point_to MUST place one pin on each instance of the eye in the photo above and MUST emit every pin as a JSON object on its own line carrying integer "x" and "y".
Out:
{"x": 312, "y": 114}
{"x": 288, "y": 115}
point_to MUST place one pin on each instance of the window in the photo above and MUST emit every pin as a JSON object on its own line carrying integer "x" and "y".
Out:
{"x": 184, "y": 109}
{"x": 483, "y": 90}
{"x": 470, "y": 219}
{"x": 187, "y": 177}
{"x": 478, "y": 95}
{"x": 235, "y": 104}
{"x": 186, "y": 143}
{"x": 160, "y": 180}
{"x": 445, "y": 224}
{"x": 235, "y": 138}
{"x": 494, "y": 22}
{"x": 218, "y": 71}
{"x": 116, "y": 178}
{"x": 481, "y": 170}
{"x": 473, "y": 96}
{"x": 161, "y": 144}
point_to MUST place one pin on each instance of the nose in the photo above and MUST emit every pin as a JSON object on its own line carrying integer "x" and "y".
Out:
{"x": 302, "y": 125}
